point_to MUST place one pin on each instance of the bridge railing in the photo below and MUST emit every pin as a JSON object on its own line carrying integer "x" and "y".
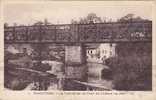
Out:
{"x": 95, "y": 32}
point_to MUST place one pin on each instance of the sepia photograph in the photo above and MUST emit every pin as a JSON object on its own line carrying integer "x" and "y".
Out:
{"x": 77, "y": 47}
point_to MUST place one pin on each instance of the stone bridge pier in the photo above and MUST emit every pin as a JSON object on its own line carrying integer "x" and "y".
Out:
{"x": 75, "y": 62}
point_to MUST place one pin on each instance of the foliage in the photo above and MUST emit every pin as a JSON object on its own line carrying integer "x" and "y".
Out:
{"x": 130, "y": 17}
{"x": 38, "y": 23}
{"x": 132, "y": 70}
{"x": 90, "y": 18}
{"x": 5, "y": 24}
{"x": 93, "y": 18}
{"x": 139, "y": 49}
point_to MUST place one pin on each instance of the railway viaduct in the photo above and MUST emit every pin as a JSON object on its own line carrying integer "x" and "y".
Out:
{"x": 75, "y": 36}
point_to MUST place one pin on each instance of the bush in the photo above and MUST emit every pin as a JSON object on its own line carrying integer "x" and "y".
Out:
{"x": 132, "y": 71}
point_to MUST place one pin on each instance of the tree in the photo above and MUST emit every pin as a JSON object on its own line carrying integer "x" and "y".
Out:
{"x": 130, "y": 17}
{"x": 74, "y": 21}
{"x": 38, "y": 23}
{"x": 46, "y": 22}
{"x": 90, "y": 18}
{"x": 14, "y": 24}
{"x": 6, "y": 25}
{"x": 132, "y": 68}
{"x": 83, "y": 21}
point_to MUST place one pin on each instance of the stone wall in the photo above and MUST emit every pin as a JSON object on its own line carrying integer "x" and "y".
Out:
{"x": 75, "y": 66}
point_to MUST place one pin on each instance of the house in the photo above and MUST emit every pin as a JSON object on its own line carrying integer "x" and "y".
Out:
{"x": 92, "y": 52}
{"x": 107, "y": 50}
{"x": 100, "y": 52}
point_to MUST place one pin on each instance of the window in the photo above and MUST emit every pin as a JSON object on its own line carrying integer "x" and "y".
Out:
{"x": 111, "y": 53}
{"x": 105, "y": 51}
{"x": 111, "y": 45}
{"x": 24, "y": 50}
{"x": 90, "y": 51}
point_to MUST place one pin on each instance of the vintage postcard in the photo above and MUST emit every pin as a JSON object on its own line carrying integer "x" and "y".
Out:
{"x": 65, "y": 50}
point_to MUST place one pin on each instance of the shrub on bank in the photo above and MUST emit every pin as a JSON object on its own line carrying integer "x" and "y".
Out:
{"x": 131, "y": 73}
{"x": 132, "y": 68}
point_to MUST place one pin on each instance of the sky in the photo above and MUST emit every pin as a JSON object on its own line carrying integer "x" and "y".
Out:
{"x": 62, "y": 13}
